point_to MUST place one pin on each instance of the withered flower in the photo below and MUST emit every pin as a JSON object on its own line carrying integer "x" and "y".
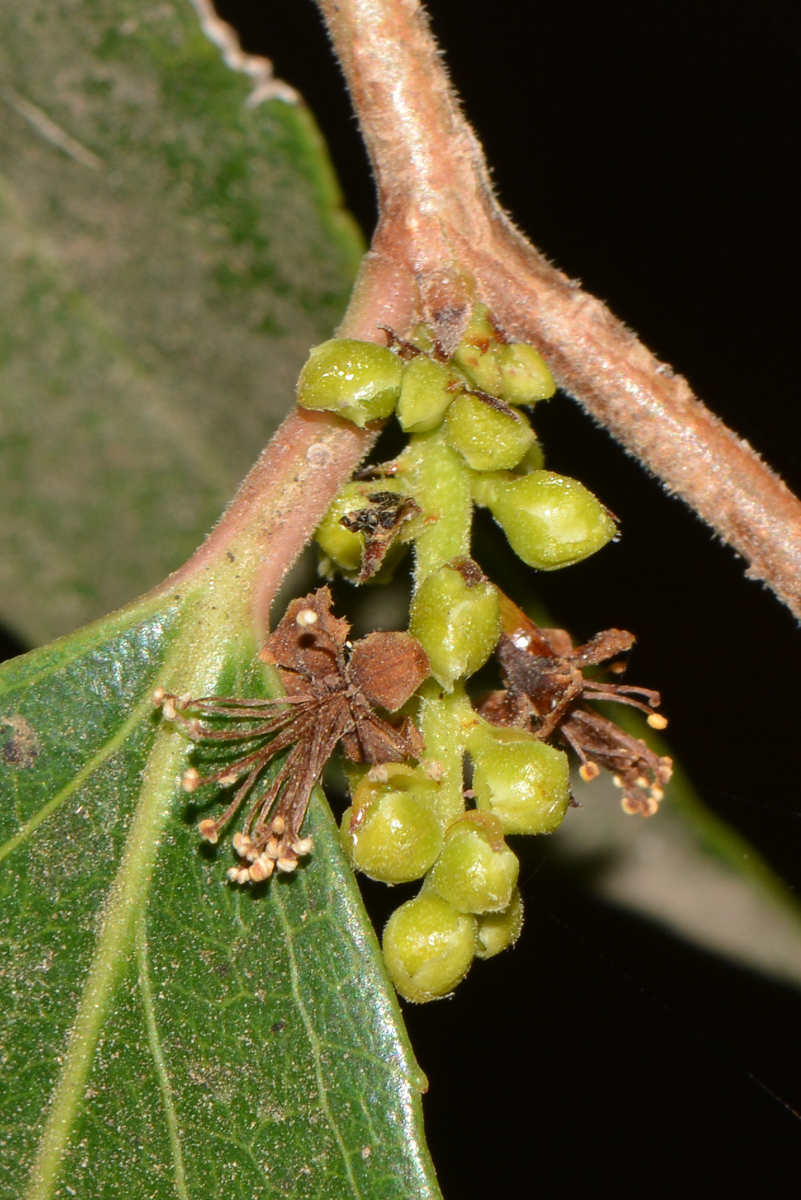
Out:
{"x": 332, "y": 688}
{"x": 546, "y": 691}
{"x": 379, "y": 523}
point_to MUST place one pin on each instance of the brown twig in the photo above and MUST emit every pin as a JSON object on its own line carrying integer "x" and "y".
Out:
{"x": 440, "y": 226}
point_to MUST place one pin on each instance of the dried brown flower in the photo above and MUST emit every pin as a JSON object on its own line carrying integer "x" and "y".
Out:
{"x": 546, "y": 691}
{"x": 379, "y": 523}
{"x": 331, "y": 690}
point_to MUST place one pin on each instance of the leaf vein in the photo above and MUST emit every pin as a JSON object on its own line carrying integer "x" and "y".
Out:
{"x": 162, "y": 1075}
{"x": 314, "y": 1042}
{"x": 106, "y": 751}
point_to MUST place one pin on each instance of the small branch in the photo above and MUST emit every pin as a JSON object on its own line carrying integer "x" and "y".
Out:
{"x": 286, "y": 494}
{"x": 440, "y": 227}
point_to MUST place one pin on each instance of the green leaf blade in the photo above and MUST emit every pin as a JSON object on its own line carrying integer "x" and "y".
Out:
{"x": 172, "y": 1035}
{"x": 168, "y": 253}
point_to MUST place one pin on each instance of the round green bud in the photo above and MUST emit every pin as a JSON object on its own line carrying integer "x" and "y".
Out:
{"x": 359, "y": 380}
{"x": 519, "y": 779}
{"x": 551, "y": 521}
{"x": 456, "y": 616}
{"x": 489, "y": 439}
{"x": 426, "y": 391}
{"x": 524, "y": 376}
{"x": 475, "y": 873}
{"x": 392, "y": 833}
{"x": 477, "y": 353}
{"x": 343, "y": 547}
{"x": 499, "y": 931}
{"x": 428, "y": 947}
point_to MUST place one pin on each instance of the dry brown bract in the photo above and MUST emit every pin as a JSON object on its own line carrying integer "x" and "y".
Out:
{"x": 331, "y": 690}
{"x": 546, "y": 691}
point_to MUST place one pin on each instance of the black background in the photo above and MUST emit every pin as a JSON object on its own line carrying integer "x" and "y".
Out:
{"x": 652, "y": 154}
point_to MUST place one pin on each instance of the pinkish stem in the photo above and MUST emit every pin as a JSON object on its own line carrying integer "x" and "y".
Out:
{"x": 441, "y": 231}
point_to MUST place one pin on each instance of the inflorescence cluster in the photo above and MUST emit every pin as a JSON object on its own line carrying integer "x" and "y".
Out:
{"x": 411, "y": 816}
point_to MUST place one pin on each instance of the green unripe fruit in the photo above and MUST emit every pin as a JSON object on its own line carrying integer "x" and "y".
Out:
{"x": 456, "y": 616}
{"x": 477, "y": 353}
{"x": 392, "y": 833}
{"x": 475, "y": 873}
{"x": 520, "y": 780}
{"x": 359, "y": 380}
{"x": 428, "y": 947}
{"x": 426, "y": 391}
{"x": 524, "y": 376}
{"x": 499, "y": 931}
{"x": 551, "y": 521}
{"x": 490, "y": 439}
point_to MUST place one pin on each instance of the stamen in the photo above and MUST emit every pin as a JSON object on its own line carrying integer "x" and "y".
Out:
{"x": 259, "y": 871}
{"x": 589, "y": 771}
{"x": 241, "y": 843}
{"x": 306, "y": 617}
{"x": 287, "y": 865}
{"x": 657, "y": 721}
{"x": 208, "y": 830}
{"x": 191, "y": 780}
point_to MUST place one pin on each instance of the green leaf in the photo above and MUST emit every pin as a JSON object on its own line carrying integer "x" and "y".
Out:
{"x": 168, "y": 252}
{"x": 167, "y": 1034}
{"x": 685, "y": 869}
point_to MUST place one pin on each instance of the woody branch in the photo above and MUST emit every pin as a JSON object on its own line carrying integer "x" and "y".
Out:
{"x": 440, "y": 221}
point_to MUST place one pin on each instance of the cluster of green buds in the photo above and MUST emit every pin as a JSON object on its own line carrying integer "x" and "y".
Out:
{"x": 469, "y": 443}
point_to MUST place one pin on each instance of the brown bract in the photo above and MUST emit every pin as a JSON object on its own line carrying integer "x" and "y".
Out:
{"x": 332, "y": 688}
{"x": 546, "y": 691}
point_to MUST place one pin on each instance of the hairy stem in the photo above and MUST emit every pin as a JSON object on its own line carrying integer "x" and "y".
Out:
{"x": 441, "y": 485}
{"x": 441, "y": 231}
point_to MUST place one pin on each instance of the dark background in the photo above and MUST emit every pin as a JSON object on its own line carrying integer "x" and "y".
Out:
{"x": 654, "y": 156}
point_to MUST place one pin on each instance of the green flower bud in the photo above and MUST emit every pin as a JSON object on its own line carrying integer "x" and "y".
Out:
{"x": 498, "y": 931}
{"x": 426, "y": 392}
{"x": 428, "y": 947}
{"x": 477, "y": 353}
{"x": 359, "y": 380}
{"x": 456, "y": 616}
{"x": 519, "y": 779}
{"x": 476, "y": 871}
{"x": 524, "y": 376}
{"x": 342, "y": 547}
{"x": 551, "y": 521}
{"x": 392, "y": 833}
{"x": 490, "y": 439}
